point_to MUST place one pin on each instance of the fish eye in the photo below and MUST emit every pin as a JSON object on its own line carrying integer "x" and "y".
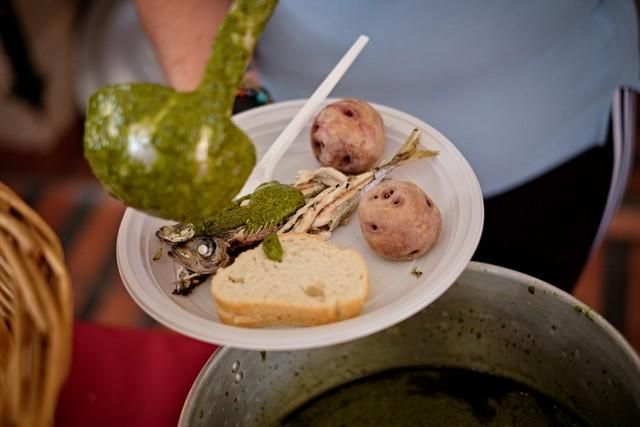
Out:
{"x": 205, "y": 247}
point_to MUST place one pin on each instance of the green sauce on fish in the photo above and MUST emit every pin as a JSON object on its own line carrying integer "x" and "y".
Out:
{"x": 268, "y": 206}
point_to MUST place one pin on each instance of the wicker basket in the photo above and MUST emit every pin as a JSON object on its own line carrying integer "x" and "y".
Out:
{"x": 35, "y": 315}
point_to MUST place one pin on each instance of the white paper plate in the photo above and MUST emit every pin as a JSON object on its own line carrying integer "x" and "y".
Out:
{"x": 395, "y": 293}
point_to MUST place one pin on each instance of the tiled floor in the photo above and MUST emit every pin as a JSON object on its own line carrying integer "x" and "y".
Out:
{"x": 60, "y": 187}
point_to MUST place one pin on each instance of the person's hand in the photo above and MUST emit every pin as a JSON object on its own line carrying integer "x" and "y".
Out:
{"x": 182, "y": 33}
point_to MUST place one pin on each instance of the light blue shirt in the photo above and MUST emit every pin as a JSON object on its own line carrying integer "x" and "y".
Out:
{"x": 519, "y": 86}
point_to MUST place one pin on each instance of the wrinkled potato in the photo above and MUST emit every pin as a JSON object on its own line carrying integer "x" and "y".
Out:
{"x": 348, "y": 135}
{"x": 399, "y": 221}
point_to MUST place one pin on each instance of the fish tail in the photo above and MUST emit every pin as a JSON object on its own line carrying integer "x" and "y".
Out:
{"x": 409, "y": 151}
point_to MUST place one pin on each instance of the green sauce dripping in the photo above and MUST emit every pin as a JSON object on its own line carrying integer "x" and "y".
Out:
{"x": 272, "y": 247}
{"x": 179, "y": 155}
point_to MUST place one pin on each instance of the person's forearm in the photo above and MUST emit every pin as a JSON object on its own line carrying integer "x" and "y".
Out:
{"x": 182, "y": 33}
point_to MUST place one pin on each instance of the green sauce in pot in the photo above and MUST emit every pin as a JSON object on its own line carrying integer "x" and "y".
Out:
{"x": 431, "y": 397}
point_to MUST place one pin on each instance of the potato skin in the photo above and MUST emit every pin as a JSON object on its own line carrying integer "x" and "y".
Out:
{"x": 399, "y": 221}
{"x": 348, "y": 135}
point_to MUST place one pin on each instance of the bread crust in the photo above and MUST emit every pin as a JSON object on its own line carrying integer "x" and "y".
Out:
{"x": 256, "y": 312}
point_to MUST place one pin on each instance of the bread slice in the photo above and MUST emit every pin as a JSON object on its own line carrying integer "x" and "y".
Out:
{"x": 316, "y": 283}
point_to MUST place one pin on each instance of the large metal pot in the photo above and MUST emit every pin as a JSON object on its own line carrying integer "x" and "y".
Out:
{"x": 492, "y": 320}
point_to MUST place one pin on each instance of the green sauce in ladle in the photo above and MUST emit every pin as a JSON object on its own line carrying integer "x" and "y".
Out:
{"x": 172, "y": 154}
